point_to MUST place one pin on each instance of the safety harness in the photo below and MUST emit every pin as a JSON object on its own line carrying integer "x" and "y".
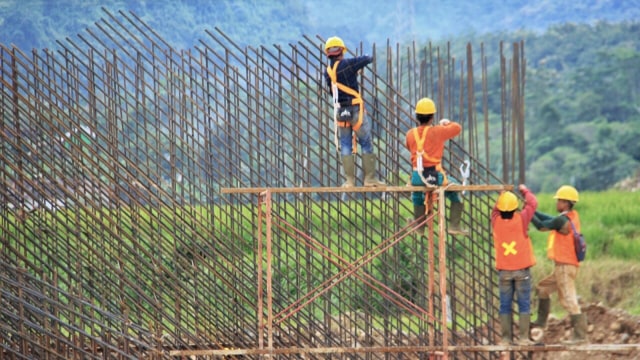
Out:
{"x": 357, "y": 100}
{"x": 420, "y": 139}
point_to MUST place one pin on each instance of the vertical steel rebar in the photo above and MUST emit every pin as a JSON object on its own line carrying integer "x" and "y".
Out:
{"x": 138, "y": 229}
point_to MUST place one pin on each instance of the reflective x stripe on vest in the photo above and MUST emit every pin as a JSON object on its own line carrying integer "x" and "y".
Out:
{"x": 357, "y": 99}
{"x": 509, "y": 248}
{"x": 513, "y": 247}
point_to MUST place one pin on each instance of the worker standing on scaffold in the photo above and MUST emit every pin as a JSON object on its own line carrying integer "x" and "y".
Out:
{"x": 426, "y": 144}
{"x": 514, "y": 259}
{"x": 349, "y": 112}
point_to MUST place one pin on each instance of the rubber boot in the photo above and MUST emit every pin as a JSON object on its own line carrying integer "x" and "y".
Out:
{"x": 506, "y": 325}
{"x": 369, "y": 165}
{"x": 349, "y": 167}
{"x": 544, "y": 305}
{"x": 419, "y": 213}
{"x": 455, "y": 216}
{"x": 524, "y": 322}
{"x": 579, "y": 323}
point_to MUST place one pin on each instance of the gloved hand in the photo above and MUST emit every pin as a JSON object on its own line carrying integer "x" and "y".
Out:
{"x": 445, "y": 122}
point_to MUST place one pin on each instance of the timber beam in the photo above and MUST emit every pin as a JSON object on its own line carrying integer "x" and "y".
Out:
{"x": 363, "y": 189}
{"x": 616, "y": 348}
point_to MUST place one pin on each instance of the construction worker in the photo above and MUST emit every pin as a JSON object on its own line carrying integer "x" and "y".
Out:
{"x": 349, "y": 112}
{"x": 426, "y": 144}
{"x": 560, "y": 249}
{"x": 514, "y": 258}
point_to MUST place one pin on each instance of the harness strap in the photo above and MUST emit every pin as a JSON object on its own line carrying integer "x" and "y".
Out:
{"x": 357, "y": 98}
{"x": 420, "y": 147}
{"x": 420, "y": 155}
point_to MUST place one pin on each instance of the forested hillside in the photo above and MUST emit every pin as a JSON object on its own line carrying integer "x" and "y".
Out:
{"x": 582, "y": 103}
{"x": 583, "y": 58}
{"x": 39, "y": 23}
{"x": 583, "y": 100}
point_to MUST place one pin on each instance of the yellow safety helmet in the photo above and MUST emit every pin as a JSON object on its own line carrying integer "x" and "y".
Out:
{"x": 425, "y": 106}
{"x": 566, "y": 192}
{"x": 334, "y": 46}
{"x": 507, "y": 201}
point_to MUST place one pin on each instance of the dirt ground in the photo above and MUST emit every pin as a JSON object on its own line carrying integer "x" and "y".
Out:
{"x": 605, "y": 326}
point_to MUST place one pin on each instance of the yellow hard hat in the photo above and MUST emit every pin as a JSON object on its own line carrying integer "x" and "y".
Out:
{"x": 425, "y": 106}
{"x": 507, "y": 201}
{"x": 566, "y": 192}
{"x": 334, "y": 46}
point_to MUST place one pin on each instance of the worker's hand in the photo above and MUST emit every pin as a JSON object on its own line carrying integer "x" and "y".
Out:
{"x": 523, "y": 188}
{"x": 445, "y": 122}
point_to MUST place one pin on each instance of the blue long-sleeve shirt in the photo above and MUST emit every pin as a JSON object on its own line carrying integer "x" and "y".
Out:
{"x": 347, "y": 74}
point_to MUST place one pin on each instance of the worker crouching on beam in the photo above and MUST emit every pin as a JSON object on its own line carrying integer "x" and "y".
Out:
{"x": 426, "y": 144}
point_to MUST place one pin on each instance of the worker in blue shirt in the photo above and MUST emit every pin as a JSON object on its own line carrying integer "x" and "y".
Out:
{"x": 349, "y": 112}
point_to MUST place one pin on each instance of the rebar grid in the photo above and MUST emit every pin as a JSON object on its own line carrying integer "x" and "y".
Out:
{"x": 116, "y": 241}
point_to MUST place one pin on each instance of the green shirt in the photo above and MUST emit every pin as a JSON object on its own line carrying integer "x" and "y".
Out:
{"x": 544, "y": 221}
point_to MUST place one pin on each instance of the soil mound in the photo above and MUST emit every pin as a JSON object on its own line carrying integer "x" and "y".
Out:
{"x": 605, "y": 326}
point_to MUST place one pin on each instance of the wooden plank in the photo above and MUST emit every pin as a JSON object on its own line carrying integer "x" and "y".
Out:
{"x": 409, "y": 349}
{"x": 362, "y": 189}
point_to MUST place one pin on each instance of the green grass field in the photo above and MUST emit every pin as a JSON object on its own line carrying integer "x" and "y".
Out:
{"x": 610, "y": 275}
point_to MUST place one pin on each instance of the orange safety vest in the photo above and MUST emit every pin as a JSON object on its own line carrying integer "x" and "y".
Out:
{"x": 560, "y": 248}
{"x": 420, "y": 152}
{"x": 513, "y": 248}
{"x": 357, "y": 98}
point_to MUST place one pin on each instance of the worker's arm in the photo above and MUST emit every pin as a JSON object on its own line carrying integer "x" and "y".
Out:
{"x": 327, "y": 80}
{"x": 545, "y": 222}
{"x": 447, "y": 129}
{"x": 530, "y": 205}
{"x": 359, "y": 62}
{"x": 495, "y": 213}
{"x": 406, "y": 141}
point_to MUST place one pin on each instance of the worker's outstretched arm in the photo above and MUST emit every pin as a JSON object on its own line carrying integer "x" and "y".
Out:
{"x": 545, "y": 222}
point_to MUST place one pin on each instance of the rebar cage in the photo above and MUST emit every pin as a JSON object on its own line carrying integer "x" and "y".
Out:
{"x": 118, "y": 243}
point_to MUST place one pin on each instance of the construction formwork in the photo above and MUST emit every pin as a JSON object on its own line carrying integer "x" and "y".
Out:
{"x": 117, "y": 241}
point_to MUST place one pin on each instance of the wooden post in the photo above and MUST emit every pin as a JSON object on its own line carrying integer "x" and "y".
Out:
{"x": 442, "y": 268}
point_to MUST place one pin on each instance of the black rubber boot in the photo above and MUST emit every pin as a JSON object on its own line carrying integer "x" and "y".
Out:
{"x": 524, "y": 322}
{"x": 370, "y": 175}
{"x": 579, "y": 323}
{"x": 419, "y": 214}
{"x": 455, "y": 217}
{"x": 544, "y": 305}
{"x": 506, "y": 329}
{"x": 349, "y": 167}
